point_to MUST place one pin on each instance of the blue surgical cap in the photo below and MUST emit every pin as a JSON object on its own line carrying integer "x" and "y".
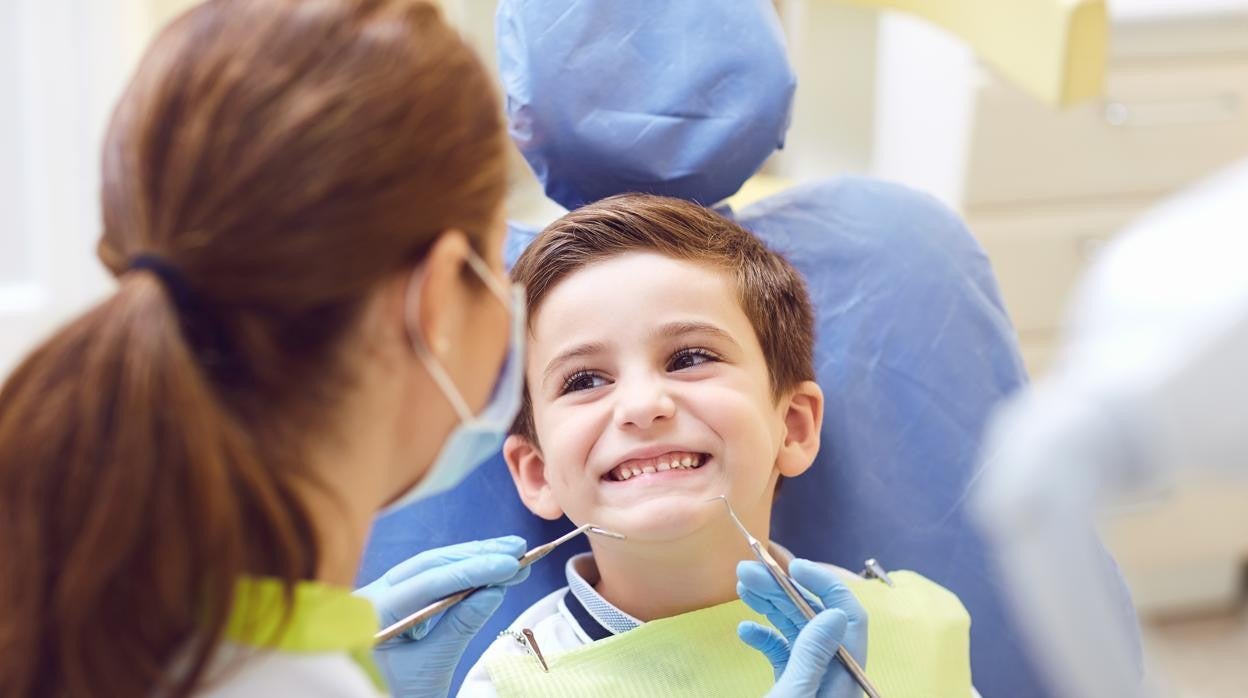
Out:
{"x": 600, "y": 103}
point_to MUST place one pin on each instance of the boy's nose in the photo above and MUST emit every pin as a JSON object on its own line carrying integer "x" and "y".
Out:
{"x": 641, "y": 406}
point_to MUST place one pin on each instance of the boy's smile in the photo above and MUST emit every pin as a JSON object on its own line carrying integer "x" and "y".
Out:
{"x": 668, "y": 460}
{"x": 650, "y": 394}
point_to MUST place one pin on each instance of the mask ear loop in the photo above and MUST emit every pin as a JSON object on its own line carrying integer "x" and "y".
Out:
{"x": 487, "y": 276}
{"x": 435, "y": 368}
{"x": 432, "y": 365}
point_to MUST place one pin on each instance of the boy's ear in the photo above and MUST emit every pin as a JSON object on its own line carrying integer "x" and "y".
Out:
{"x": 803, "y": 418}
{"x": 528, "y": 471}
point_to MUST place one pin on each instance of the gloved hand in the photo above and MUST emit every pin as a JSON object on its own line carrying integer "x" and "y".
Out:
{"x": 422, "y": 661}
{"x": 803, "y": 653}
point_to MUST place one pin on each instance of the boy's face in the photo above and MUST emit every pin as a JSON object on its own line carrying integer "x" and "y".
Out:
{"x": 650, "y": 395}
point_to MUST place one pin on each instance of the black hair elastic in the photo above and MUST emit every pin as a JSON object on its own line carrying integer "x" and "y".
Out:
{"x": 175, "y": 284}
{"x": 200, "y": 327}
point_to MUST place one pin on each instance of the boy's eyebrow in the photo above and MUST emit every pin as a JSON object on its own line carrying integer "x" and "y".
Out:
{"x": 579, "y": 350}
{"x": 676, "y": 329}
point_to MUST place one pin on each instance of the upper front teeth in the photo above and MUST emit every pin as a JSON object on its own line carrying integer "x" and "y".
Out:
{"x": 670, "y": 461}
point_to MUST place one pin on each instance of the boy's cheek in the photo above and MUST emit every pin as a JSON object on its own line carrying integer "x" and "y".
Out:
{"x": 576, "y": 504}
{"x": 560, "y": 483}
{"x": 571, "y": 486}
{"x": 741, "y": 424}
{"x": 572, "y": 442}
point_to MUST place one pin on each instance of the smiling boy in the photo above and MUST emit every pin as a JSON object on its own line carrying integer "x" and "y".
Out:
{"x": 669, "y": 362}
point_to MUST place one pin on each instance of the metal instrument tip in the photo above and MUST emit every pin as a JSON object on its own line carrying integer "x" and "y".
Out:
{"x": 733, "y": 514}
{"x": 590, "y": 528}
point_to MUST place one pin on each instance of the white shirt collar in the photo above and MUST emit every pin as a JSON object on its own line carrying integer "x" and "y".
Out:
{"x": 582, "y": 575}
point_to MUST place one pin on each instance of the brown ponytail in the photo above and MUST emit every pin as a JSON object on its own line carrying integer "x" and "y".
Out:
{"x": 123, "y": 479}
{"x": 285, "y": 158}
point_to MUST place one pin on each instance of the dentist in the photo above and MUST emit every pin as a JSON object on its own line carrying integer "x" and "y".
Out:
{"x": 302, "y": 204}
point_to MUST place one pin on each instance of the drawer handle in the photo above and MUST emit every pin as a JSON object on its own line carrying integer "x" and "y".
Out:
{"x": 1174, "y": 112}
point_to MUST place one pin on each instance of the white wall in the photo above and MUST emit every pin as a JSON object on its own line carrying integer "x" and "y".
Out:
{"x": 833, "y": 49}
{"x": 62, "y": 65}
{"x": 15, "y": 249}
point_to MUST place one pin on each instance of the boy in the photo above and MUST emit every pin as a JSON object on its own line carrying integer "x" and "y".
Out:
{"x": 669, "y": 362}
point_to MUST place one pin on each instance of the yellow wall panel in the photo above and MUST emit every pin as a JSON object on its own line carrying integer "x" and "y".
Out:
{"x": 1054, "y": 49}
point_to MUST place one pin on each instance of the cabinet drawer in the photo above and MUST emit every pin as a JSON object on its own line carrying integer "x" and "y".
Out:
{"x": 1160, "y": 125}
{"x": 1039, "y": 254}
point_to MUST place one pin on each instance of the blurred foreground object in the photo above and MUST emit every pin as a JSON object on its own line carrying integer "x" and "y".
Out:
{"x": 1152, "y": 377}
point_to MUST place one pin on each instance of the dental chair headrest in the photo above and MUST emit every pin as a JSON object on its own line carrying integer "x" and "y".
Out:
{"x": 599, "y": 103}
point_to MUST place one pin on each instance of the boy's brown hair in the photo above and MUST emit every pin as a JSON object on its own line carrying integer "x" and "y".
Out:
{"x": 769, "y": 289}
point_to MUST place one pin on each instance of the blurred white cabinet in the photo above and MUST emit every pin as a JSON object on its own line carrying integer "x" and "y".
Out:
{"x": 1040, "y": 187}
{"x": 1043, "y": 189}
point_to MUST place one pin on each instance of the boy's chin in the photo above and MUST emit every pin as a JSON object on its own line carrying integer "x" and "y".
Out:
{"x": 660, "y": 521}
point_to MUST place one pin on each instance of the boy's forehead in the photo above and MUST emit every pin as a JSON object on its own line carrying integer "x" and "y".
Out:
{"x": 635, "y": 290}
{"x": 634, "y": 278}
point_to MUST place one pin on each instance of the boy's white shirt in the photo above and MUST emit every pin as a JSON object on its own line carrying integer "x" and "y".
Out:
{"x": 551, "y": 624}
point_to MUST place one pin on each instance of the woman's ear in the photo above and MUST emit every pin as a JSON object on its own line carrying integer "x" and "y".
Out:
{"x": 437, "y": 281}
{"x": 803, "y": 418}
{"x": 528, "y": 471}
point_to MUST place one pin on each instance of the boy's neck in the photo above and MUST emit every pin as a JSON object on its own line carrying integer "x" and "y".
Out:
{"x": 662, "y": 580}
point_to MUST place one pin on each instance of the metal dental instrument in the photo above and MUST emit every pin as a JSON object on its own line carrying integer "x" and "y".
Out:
{"x": 529, "y": 557}
{"x": 531, "y": 640}
{"x": 872, "y": 569}
{"x": 795, "y": 595}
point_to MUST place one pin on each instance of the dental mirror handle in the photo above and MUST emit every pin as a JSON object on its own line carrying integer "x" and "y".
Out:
{"x": 529, "y": 557}
{"x": 787, "y": 585}
{"x": 790, "y": 588}
{"x": 394, "y": 629}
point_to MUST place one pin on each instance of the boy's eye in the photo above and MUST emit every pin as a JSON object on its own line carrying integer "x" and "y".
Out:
{"x": 688, "y": 358}
{"x": 582, "y": 380}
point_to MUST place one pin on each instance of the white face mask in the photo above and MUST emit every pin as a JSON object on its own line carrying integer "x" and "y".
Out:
{"x": 478, "y": 436}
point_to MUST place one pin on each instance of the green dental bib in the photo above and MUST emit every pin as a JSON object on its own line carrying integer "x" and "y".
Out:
{"x": 693, "y": 654}
{"x": 918, "y": 647}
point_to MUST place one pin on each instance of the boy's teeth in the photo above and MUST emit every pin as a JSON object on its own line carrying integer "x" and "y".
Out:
{"x": 661, "y": 464}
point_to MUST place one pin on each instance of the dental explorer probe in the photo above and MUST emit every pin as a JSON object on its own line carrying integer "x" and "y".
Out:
{"x": 795, "y": 595}
{"x": 529, "y": 557}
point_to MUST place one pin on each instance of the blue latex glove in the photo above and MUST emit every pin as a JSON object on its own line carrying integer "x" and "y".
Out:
{"x": 803, "y": 653}
{"x": 422, "y": 660}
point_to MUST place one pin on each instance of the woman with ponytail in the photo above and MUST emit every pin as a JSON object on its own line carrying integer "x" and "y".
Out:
{"x": 302, "y": 206}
